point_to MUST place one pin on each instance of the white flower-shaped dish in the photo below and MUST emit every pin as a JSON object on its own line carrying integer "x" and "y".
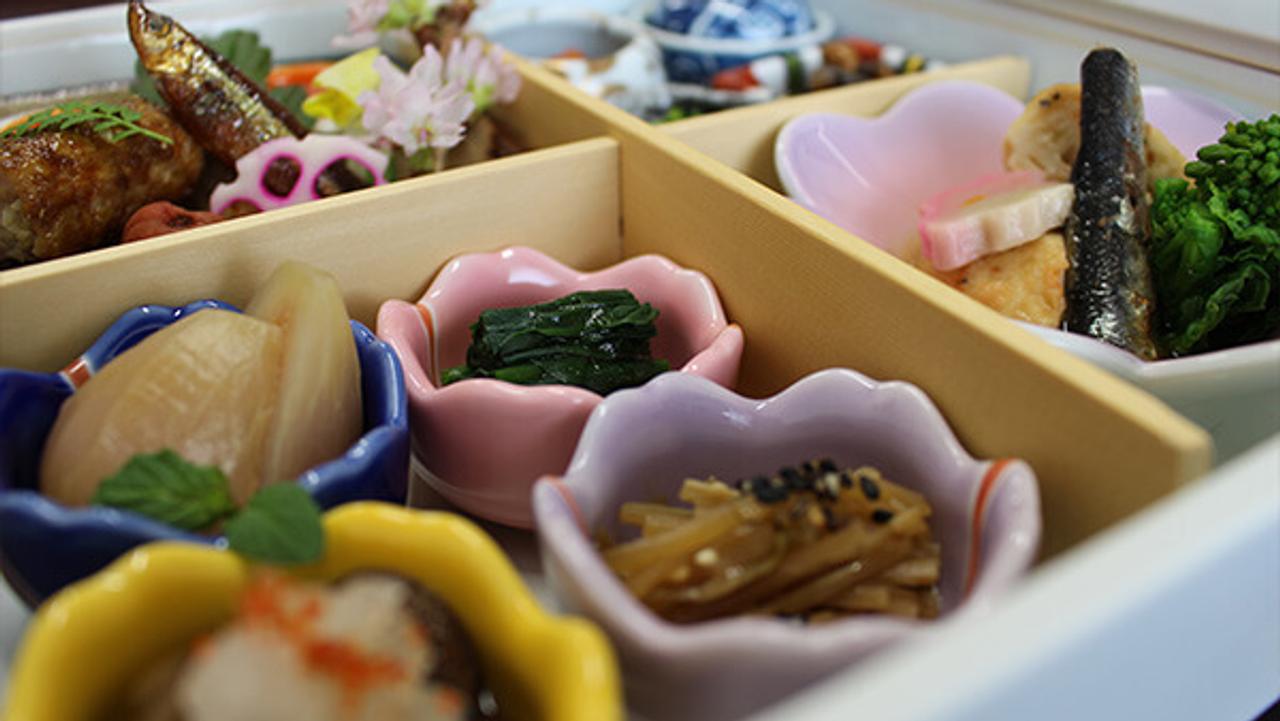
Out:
{"x": 641, "y": 444}
{"x": 870, "y": 175}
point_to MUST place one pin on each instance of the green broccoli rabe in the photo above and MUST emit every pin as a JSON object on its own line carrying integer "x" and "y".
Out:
{"x": 1216, "y": 244}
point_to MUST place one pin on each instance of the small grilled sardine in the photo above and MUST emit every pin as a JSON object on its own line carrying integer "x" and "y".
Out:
{"x": 1108, "y": 285}
{"x": 226, "y": 112}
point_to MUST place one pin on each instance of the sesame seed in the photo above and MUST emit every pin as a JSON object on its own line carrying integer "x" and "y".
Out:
{"x": 831, "y": 485}
{"x": 881, "y": 516}
{"x": 768, "y": 490}
{"x": 826, "y": 465}
{"x": 846, "y": 481}
{"x": 706, "y": 557}
{"x": 791, "y": 477}
{"x": 870, "y": 488}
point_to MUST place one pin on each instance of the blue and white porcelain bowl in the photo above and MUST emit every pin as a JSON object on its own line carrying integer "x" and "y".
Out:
{"x": 699, "y": 38}
{"x": 733, "y": 19}
{"x": 45, "y": 545}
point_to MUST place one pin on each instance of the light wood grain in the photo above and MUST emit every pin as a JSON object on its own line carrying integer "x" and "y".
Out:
{"x": 380, "y": 243}
{"x": 810, "y": 295}
{"x": 743, "y": 138}
{"x": 542, "y": 116}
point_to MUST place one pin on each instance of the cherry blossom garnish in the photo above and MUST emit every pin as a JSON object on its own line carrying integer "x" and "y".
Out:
{"x": 421, "y": 112}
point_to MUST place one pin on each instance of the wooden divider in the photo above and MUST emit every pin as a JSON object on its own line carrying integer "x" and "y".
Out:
{"x": 742, "y": 138}
{"x": 381, "y": 243}
{"x": 809, "y": 296}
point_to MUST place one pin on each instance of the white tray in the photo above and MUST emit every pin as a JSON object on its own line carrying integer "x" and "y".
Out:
{"x": 1174, "y": 614}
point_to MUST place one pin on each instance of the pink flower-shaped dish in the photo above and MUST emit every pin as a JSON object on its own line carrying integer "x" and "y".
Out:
{"x": 483, "y": 442}
{"x": 870, "y": 175}
{"x": 641, "y": 444}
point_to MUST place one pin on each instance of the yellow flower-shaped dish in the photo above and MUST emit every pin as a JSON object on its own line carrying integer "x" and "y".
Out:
{"x": 87, "y": 642}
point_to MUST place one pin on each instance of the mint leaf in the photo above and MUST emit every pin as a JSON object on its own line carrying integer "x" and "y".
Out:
{"x": 168, "y": 488}
{"x": 280, "y": 524}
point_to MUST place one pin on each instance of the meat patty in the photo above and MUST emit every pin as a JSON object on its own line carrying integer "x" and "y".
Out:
{"x": 67, "y": 191}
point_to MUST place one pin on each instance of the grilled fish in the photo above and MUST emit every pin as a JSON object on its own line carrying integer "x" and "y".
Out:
{"x": 1107, "y": 285}
{"x": 226, "y": 112}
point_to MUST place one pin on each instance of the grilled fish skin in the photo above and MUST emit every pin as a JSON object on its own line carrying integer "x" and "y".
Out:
{"x": 67, "y": 191}
{"x": 226, "y": 112}
{"x": 1108, "y": 287}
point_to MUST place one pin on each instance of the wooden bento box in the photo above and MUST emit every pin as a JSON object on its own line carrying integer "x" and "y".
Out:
{"x": 806, "y": 297}
{"x": 602, "y": 187}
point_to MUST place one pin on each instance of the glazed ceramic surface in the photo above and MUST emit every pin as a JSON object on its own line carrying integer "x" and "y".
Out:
{"x": 165, "y": 595}
{"x": 870, "y": 176}
{"x": 484, "y": 442}
{"x": 733, "y": 19}
{"x": 44, "y": 545}
{"x": 641, "y": 444}
{"x": 619, "y": 61}
{"x": 698, "y": 40}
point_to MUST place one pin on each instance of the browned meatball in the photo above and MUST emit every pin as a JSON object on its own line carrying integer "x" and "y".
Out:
{"x": 67, "y": 191}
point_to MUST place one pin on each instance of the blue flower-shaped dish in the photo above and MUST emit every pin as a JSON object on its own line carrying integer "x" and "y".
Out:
{"x": 45, "y": 545}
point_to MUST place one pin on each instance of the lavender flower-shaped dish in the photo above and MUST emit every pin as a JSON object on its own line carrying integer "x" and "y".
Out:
{"x": 45, "y": 545}
{"x": 481, "y": 442}
{"x": 641, "y": 444}
{"x": 870, "y": 175}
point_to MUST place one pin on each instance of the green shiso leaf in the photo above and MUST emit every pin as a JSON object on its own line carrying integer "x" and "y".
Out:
{"x": 281, "y": 524}
{"x": 166, "y": 487}
{"x": 292, "y": 97}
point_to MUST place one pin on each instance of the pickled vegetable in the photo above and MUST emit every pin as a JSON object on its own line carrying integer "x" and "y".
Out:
{"x": 262, "y": 396}
{"x": 811, "y": 542}
{"x": 204, "y": 387}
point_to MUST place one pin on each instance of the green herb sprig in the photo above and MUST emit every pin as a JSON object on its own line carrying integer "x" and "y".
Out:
{"x": 280, "y": 524}
{"x": 111, "y": 121}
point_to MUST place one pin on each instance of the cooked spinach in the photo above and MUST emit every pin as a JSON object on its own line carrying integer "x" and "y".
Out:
{"x": 598, "y": 340}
